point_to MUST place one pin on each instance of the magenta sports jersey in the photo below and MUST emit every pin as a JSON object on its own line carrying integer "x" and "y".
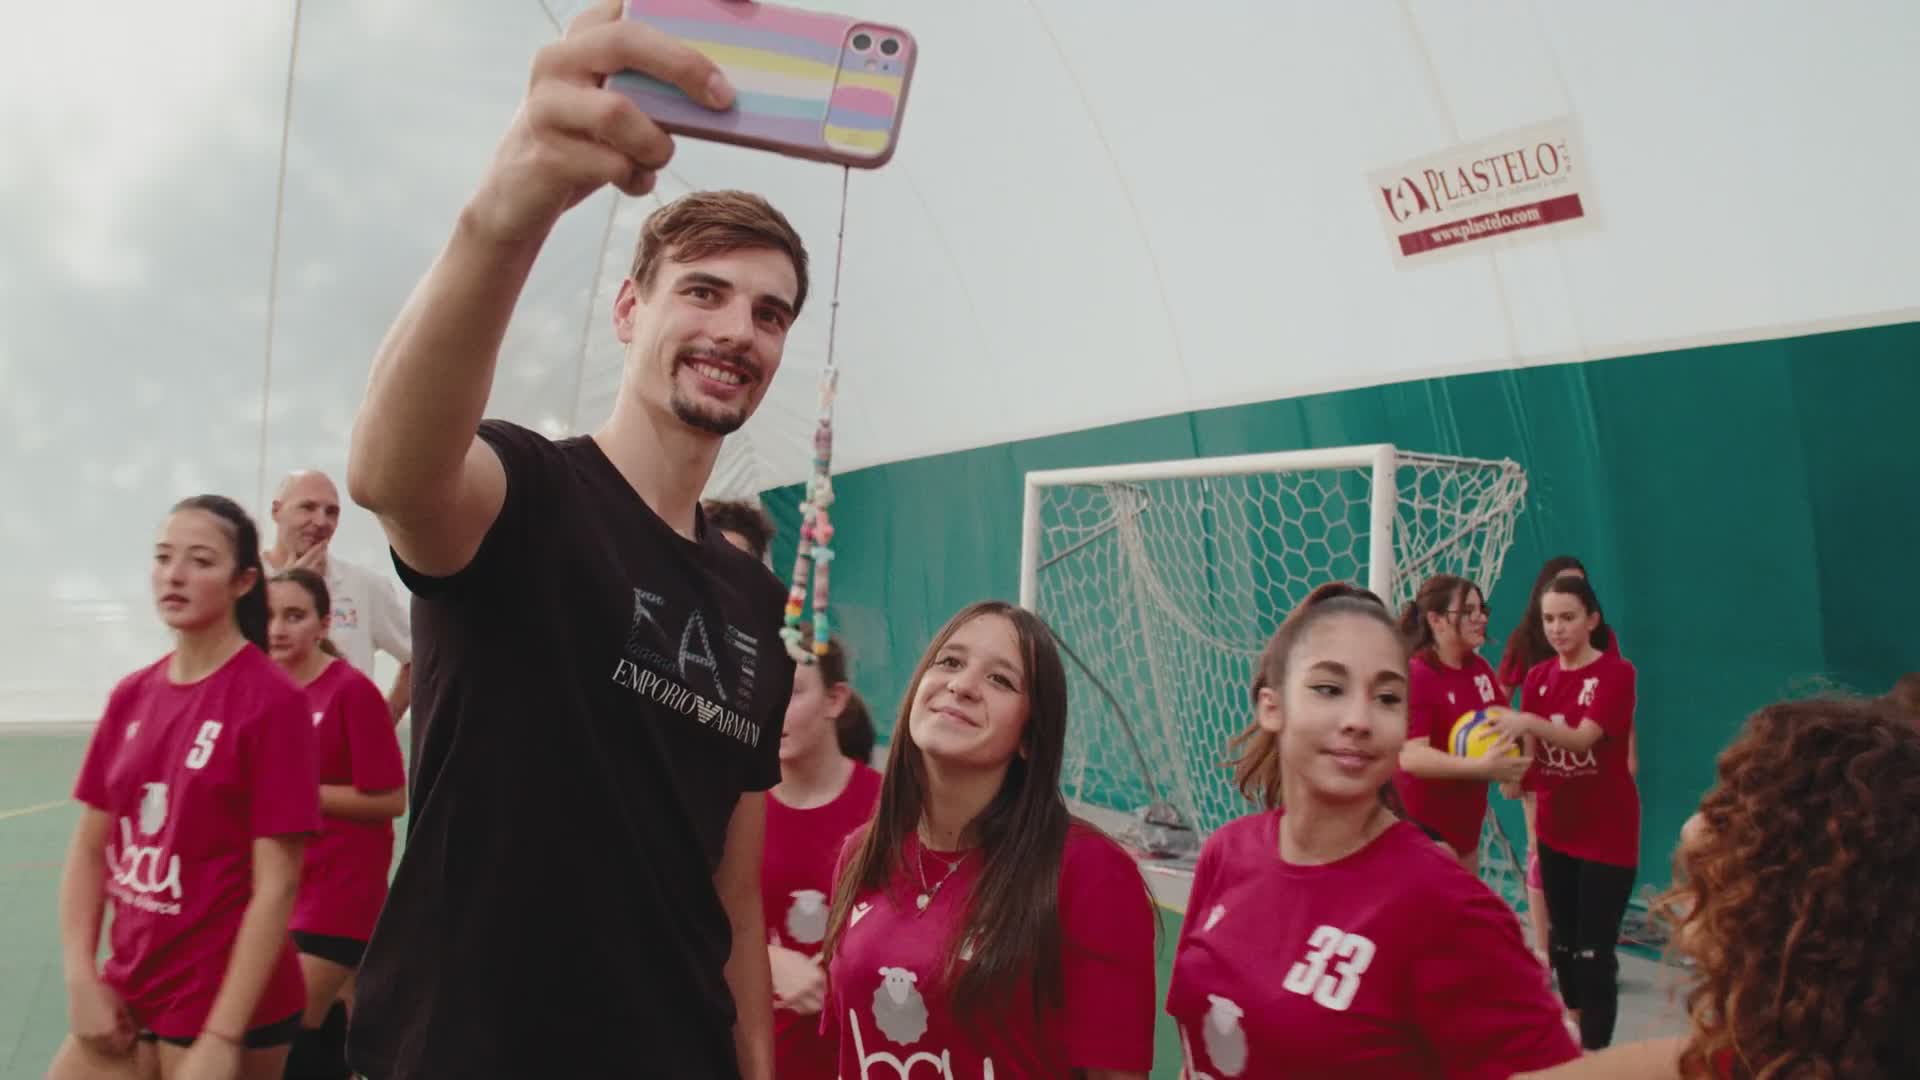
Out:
{"x": 1437, "y": 696}
{"x": 796, "y": 878}
{"x": 1589, "y": 806}
{"x": 888, "y": 1009}
{"x": 344, "y": 881}
{"x": 1392, "y": 962}
{"x": 190, "y": 776}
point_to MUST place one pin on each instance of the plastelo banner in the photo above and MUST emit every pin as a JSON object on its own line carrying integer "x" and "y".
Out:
{"x": 1512, "y": 186}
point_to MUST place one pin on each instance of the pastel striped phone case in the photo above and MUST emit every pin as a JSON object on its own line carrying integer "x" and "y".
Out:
{"x": 807, "y": 84}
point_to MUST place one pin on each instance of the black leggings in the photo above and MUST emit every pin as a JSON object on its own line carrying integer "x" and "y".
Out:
{"x": 1586, "y": 902}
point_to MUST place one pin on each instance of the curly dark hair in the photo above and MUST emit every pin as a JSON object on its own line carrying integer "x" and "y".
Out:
{"x": 1792, "y": 896}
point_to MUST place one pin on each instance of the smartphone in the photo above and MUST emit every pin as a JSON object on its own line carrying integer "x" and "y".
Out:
{"x": 806, "y": 84}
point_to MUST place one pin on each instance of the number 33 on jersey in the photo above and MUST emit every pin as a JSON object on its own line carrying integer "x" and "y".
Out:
{"x": 1348, "y": 954}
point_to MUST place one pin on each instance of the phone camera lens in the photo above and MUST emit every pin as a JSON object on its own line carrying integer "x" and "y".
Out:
{"x": 861, "y": 42}
{"x": 889, "y": 47}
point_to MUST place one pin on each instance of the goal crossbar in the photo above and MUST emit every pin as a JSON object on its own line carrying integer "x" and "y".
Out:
{"x": 1382, "y": 458}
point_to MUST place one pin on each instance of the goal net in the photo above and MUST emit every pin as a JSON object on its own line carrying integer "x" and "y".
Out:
{"x": 1165, "y": 580}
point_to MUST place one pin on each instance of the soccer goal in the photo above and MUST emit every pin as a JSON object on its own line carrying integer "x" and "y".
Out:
{"x": 1163, "y": 581}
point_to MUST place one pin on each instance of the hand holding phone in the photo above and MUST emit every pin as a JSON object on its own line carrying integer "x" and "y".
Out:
{"x": 571, "y": 136}
{"x": 809, "y": 85}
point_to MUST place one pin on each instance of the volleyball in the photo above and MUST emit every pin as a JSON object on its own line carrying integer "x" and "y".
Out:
{"x": 1472, "y": 736}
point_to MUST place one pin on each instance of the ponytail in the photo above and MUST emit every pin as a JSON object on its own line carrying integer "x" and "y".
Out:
{"x": 1255, "y": 751}
{"x": 250, "y": 611}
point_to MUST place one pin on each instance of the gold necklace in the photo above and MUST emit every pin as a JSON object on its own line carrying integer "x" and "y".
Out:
{"x": 925, "y": 899}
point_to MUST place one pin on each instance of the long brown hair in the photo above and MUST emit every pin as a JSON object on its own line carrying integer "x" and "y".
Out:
{"x": 1578, "y": 587}
{"x": 1437, "y": 596}
{"x": 1528, "y": 639}
{"x": 1255, "y": 752}
{"x": 1789, "y": 900}
{"x": 1013, "y": 918}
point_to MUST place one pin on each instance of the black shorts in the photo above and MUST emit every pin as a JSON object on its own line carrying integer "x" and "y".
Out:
{"x": 344, "y": 951}
{"x": 264, "y": 1037}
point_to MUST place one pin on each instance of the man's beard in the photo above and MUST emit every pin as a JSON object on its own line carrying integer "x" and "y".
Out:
{"x": 707, "y": 418}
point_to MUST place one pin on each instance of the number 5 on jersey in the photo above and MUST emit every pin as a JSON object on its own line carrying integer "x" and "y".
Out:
{"x": 203, "y": 744}
{"x": 1308, "y": 976}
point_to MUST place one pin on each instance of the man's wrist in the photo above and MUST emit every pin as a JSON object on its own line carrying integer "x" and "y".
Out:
{"x": 485, "y": 222}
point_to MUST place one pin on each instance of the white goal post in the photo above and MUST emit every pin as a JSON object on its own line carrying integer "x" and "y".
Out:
{"x": 1163, "y": 581}
{"x": 1379, "y": 457}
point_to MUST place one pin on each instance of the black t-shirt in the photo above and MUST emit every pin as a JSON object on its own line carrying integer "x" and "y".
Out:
{"x": 597, "y": 692}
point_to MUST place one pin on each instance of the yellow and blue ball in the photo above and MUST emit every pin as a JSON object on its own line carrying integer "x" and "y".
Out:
{"x": 1472, "y": 736}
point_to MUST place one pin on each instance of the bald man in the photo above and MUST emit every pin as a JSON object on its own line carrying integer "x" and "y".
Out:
{"x": 368, "y": 616}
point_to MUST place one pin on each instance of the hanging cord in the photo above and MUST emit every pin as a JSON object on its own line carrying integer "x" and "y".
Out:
{"x": 815, "y": 550}
{"x": 273, "y": 266}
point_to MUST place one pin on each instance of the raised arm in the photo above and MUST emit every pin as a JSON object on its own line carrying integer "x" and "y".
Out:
{"x": 414, "y": 460}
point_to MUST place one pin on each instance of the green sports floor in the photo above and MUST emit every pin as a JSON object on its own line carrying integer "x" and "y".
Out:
{"x": 36, "y": 817}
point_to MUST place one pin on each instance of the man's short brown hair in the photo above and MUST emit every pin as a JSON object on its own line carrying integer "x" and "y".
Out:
{"x": 711, "y": 222}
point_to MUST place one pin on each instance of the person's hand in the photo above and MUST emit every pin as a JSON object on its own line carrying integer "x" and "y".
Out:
{"x": 573, "y": 135}
{"x": 1513, "y": 722}
{"x": 799, "y": 983}
{"x": 99, "y": 1019}
{"x": 1501, "y": 767}
{"x": 211, "y": 1057}
{"x": 314, "y": 559}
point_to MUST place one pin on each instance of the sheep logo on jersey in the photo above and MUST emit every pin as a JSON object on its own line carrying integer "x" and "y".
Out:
{"x": 807, "y": 917}
{"x": 153, "y": 809}
{"x": 1226, "y": 1042}
{"x": 901, "y": 1013}
{"x": 141, "y": 873}
{"x": 898, "y": 1007}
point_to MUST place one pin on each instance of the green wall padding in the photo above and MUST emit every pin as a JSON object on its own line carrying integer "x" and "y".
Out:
{"x": 1746, "y": 512}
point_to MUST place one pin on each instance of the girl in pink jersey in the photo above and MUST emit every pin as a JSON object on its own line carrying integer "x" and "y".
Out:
{"x": 1444, "y": 625}
{"x": 1324, "y": 936}
{"x": 362, "y": 789}
{"x": 822, "y": 797}
{"x": 199, "y": 790}
{"x": 1526, "y": 646}
{"x": 977, "y": 929}
{"x": 1803, "y": 956}
{"x": 1578, "y": 708}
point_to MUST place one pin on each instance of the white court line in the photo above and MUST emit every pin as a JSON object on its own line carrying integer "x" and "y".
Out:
{"x": 23, "y": 811}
